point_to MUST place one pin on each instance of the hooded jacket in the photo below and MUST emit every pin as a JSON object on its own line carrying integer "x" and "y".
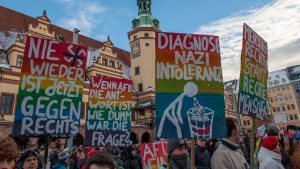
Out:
{"x": 269, "y": 159}
{"x": 229, "y": 156}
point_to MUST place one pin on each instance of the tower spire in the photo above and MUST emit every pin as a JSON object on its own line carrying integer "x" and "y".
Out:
{"x": 144, "y": 18}
{"x": 144, "y": 6}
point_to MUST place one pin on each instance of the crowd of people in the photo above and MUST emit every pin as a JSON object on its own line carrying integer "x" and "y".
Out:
{"x": 274, "y": 150}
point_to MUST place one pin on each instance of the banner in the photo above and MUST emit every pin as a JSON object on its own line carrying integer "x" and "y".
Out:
{"x": 189, "y": 86}
{"x": 109, "y": 112}
{"x": 254, "y": 75}
{"x": 50, "y": 91}
{"x": 153, "y": 154}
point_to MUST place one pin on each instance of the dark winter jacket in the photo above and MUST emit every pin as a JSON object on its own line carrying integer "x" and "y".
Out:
{"x": 60, "y": 165}
{"x": 202, "y": 158}
{"x": 173, "y": 165}
{"x": 132, "y": 163}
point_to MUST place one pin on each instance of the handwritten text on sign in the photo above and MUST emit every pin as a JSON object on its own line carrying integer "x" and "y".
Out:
{"x": 109, "y": 111}
{"x": 254, "y": 75}
{"x": 50, "y": 91}
{"x": 153, "y": 154}
{"x": 189, "y": 86}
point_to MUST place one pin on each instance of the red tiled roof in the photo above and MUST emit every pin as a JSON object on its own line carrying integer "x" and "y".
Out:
{"x": 11, "y": 20}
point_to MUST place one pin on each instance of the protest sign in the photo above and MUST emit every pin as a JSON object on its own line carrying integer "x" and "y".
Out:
{"x": 153, "y": 154}
{"x": 109, "y": 112}
{"x": 261, "y": 131}
{"x": 189, "y": 86}
{"x": 50, "y": 91}
{"x": 254, "y": 75}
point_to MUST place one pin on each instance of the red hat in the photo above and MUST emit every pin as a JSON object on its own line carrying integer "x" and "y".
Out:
{"x": 90, "y": 151}
{"x": 271, "y": 142}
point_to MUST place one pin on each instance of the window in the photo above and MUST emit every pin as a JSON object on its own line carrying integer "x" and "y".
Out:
{"x": 147, "y": 44}
{"x": 286, "y": 97}
{"x": 274, "y": 109}
{"x": 104, "y": 61}
{"x": 245, "y": 123}
{"x": 142, "y": 112}
{"x": 146, "y": 35}
{"x": 276, "y": 82}
{"x": 288, "y": 107}
{"x": 291, "y": 117}
{"x": 140, "y": 87}
{"x": 295, "y": 116}
{"x": 290, "y": 96}
{"x": 19, "y": 61}
{"x": 137, "y": 70}
{"x": 277, "y": 76}
{"x": 7, "y": 101}
{"x": 283, "y": 108}
{"x": 283, "y": 80}
{"x": 278, "y": 108}
{"x": 248, "y": 122}
{"x": 112, "y": 64}
{"x": 293, "y": 106}
{"x": 282, "y": 88}
{"x": 134, "y": 38}
{"x": 281, "y": 99}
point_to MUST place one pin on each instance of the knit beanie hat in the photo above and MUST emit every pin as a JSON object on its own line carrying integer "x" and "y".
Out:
{"x": 270, "y": 142}
{"x": 272, "y": 130}
{"x": 174, "y": 143}
{"x": 26, "y": 154}
{"x": 116, "y": 151}
{"x": 90, "y": 151}
{"x": 291, "y": 127}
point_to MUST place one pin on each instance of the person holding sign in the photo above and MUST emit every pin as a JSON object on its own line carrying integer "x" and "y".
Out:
{"x": 178, "y": 157}
{"x": 228, "y": 155}
{"x": 202, "y": 157}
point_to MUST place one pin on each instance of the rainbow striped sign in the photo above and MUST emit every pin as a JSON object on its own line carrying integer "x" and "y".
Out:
{"x": 189, "y": 86}
{"x": 50, "y": 91}
{"x": 254, "y": 75}
{"x": 109, "y": 112}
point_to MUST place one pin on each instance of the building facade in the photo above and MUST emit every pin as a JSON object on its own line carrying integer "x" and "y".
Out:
{"x": 104, "y": 59}
{"x": 283, "y": 99}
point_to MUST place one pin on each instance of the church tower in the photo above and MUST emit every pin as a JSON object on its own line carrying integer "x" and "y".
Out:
{"x": 142, "y": 44}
